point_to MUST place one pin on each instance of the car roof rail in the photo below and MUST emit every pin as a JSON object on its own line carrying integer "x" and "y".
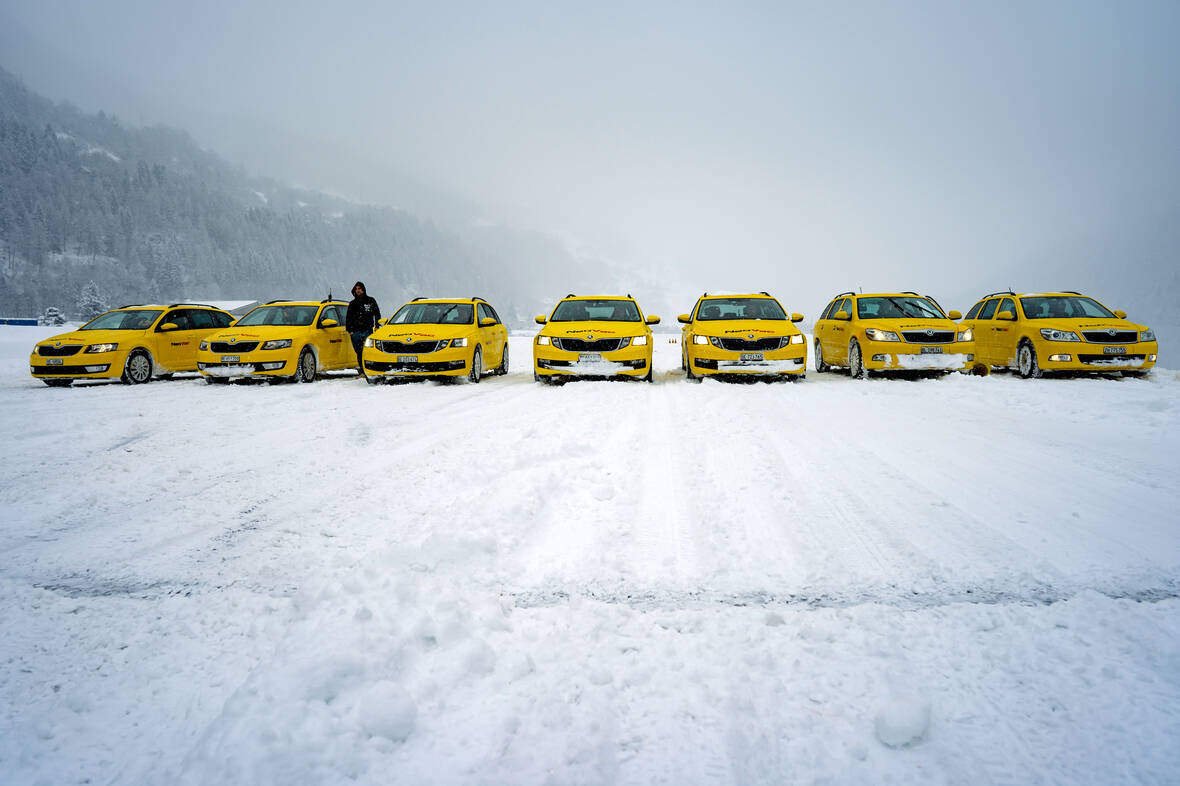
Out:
{"x": 202, "y": 305}
{"x": 571, "y": 294}
{"x": 909, "y": 292}
{"x": 764, "y": 292}
{"x": 280, "y": 300}
{"x": 132, "y": 305}
{"x": 1071, "y": 292}
{"x": 1001, "y": 292}
{"x": 842, "y": 294}
{"x": 415, "y": 300}
{"x": 477, "y": 297}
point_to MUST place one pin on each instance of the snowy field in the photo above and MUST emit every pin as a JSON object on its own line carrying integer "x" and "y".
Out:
{"x": 960, "y": 580}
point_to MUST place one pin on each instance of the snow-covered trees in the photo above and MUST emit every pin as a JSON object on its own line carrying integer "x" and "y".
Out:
{"x": 52, "y": 316}
{"x": 91, "y": 302}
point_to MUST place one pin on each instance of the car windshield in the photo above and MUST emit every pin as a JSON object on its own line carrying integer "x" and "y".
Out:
{"x": 290, "y": 316}
{"x": 596, "y": 311}
{"x": 433, "y": 314}
{"x": 897, "y": 308}
{"x": 140, "y": 319}
{"x": 1063, "y": 307}
{"x": 740, "y": 308}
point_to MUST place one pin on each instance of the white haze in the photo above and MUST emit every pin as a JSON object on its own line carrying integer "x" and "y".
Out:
{"x": 802, "y": 148}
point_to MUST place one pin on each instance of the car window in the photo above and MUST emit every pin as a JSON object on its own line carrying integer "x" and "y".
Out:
{"x": 220, "y": 319}
{"x": 180, "y": 318}
{"x": 897, "y": 307}
{"x": 201, "y": 319}
{"x": 846, "y": 305}
{"x": 828, "y": 310}
{"x": 485, "y": 312}
{"x": 989, "y": 308}
{"x": 741, "y": 308}
{"x": 1063, "y": 307}
{"x": 606, "y": 310}
{"x": 433, "y": 314}
{"x": 974, "y": 310}
{"x": 139, "y": 319}
{"x": 290, "y": 316}
{"x": 1007, "y": 305}
{"x": 330, "y": 312}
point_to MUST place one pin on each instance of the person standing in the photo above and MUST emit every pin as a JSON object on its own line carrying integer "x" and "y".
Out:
{"x": 361, "y": 320}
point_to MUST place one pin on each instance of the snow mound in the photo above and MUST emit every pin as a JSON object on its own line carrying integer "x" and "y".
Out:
{"x": 903, "y": 721}
{"x": 387, "y": 711}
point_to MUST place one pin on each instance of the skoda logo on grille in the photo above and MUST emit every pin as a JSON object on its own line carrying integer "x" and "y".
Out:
{"x": 589, "y": 336}
{"x": 57, "y": 343}
{"x": 231, "y": 341}
{"x": 750, "y": 336}
{"x": 1111, "y": 331}
{"x": 929, "y": 332}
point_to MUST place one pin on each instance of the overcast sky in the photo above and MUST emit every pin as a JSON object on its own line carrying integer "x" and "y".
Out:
{"x": 819, "y": 145}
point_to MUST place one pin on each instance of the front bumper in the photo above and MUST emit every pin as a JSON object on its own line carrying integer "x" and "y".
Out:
{"x": 97, "y": 365}
{"x": 903, "y": 356}
{"x": 548, "y": 361}
{"x": 706, "y": 359}
{"x": 1100, "y": 358}
{"x": 266, "y": 363}
{"x": 450, "y": 362}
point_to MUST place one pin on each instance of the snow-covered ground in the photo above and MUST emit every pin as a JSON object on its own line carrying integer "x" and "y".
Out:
{"x": 961, "y": 580}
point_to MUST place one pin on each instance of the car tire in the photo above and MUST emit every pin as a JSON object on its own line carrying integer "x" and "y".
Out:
{"x": 58, "y": 383}
{"x": 650, "y": 371}
{"x": 688, "y": 367}
{"x": 305, "y": 369}
{"x": 216, "y": 380}
{"x": 502, "y": 370}
{"x": 856, "y": 364}
{"x": 820, "y": 365}
{"x": 476, "y": 371}
{"x": 1026, "y": 361}
{"x": 138, "y": 368}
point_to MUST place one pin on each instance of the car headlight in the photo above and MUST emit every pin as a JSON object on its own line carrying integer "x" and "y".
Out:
{"x": 543, "y": 341}
{"x": 966, "y": 335}
{"x": 459, "y": 342}
{"x": 1147, "y": 335}
{"x": 278, "y": 343}
{"x": 797, "y": 338}
{"x": 369, "y": 341}
{"x": 875, "y": 334}
{"x": 699, "y": 339}
{"x": 102, "y": 348}
{"x": 637, "y": 341}
{"x": 1052, "y": 334}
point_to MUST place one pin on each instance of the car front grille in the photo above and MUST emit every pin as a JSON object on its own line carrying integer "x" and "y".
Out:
{"x": 412, "y": 348}
{"x": 1104, "y": 337}
{"x": 420, "y": 368}
{"x": 1110, "y": 360}
{"x": 236, "y": 348}
{"x": 933, "y": 337}
{"x": 755, "y": 345}
{"x": 579, "y": 345}
{"x": 58, "y": 352}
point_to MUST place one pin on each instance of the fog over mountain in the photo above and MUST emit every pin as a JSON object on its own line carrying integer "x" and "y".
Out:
{"x": 954, "y": 149}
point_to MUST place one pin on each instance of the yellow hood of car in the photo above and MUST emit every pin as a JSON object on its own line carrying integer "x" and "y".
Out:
{"x": 908, "y": 323}
{"x": 257, "y": 332}
{"x": 408, "y": 334}
{"x": 90, "y": 337}
{"x": 742, "y": 328}
{"x": 1087, "y": 323}
{"x": 596, "y": 329}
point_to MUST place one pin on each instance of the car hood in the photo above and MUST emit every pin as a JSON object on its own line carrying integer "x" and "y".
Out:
{"x": 256, "y": 333}
{"x": 743, "y": 328}
{"x": 408, "y": 334}
{"x": 90, "y": 337}
{"x": 596, "y": 329}
{"x": 910, "y": 324}
{"x": 1088, "y": 324}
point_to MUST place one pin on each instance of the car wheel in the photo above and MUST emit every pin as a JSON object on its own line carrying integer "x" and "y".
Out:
{"x": 688, "y": 366}
{"x": 650, "y": 370}
{"x": 138, "y": 368}
{"x": 856, "y": 366}
{"x": 57, "y": 383}
{"x": 305, "y": 369}
{"x": 820, "y": 365}
{"x": 1026, "y": 361}
{"x": 476, "y": 372}
{"x": 503, "y": 369}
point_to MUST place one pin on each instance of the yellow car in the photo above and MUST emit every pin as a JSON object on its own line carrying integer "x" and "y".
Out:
{"x": 594, "y": 337}
{"x": 443, "y": 337}
{"x": 132, "y": 343}
{"x": 284, "y": 339}
{"x": 891, "y": 331}
{"x": 739, "y": 335}
{"x": 1058, "y": 331}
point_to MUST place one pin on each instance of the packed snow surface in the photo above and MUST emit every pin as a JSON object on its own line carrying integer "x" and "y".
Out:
{"x": 950, "y": 580}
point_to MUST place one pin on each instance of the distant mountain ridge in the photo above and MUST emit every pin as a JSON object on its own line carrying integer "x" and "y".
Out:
{"x": 148, "y": 215}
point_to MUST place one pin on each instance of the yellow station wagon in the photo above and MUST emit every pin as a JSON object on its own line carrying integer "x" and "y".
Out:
{"x": 284, "y": 339}
{"x": 601, "y": 336}
{"x": 738, "y": 335}
{"x": 892, "y": 331}
{"x": 132, "y": 343}
{"x": 1058, "y": 331}
{"x": 438, "y": 337}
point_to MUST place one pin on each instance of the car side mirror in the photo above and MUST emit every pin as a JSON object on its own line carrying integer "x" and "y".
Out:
{"x": 954, "y": 316}
{"x": 843, "y": 316}
{"x": 1121, "y": 314}
{"x": 487, "y": 322}
{"x": 651, "y": 320}
{"x": 684, "y": 318}
{"x": 327, "y": 323}
{"x": 540, "y": 320}
{"x": 169, "y": 326}
{"x": 232, "y": 322}
{"x": 796, "y": 317}
{"x": 1008, "y": 316}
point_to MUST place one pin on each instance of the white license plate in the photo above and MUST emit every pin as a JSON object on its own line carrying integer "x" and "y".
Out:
{"x": 53, "y": 362}
{"x": 931, "y": 350}
{"x": 407, "y": 358}
{"x": 230, "y": 358}
{"x": 752, "y": 356}
{"x": 1114, "y": 350}
{"x": 590, "y": 357}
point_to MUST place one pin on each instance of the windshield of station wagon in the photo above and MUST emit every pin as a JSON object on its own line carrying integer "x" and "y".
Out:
{"x": 897, "y": 308}
{"x": 140, "y": 319}
{"x": 290, "y": 316}
{"x": 1063, "y": 307}
{"x": 596, "y": 311}
{"x": 740, "y": 308}
{"x": 433, "y": 314}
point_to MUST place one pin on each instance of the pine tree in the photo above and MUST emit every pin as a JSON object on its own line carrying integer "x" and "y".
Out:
{"x": 90, "y": 302}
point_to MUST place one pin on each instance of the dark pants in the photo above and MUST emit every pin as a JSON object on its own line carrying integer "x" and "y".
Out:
{"x": 358, "y": 343}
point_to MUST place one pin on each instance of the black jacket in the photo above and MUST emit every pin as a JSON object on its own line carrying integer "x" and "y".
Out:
{"x": 363, "y": 313}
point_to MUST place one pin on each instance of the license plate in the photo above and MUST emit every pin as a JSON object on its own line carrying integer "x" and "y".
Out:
{"x": 931, "y": 350}
{"x": 1114, "y": 350}
{"x": 407, "y": 358}
{"x": 230, "y": 358}
{"x": 53, "y": 362}
{"x": 590, "y": 357}
{"x": 752, "y": 356}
